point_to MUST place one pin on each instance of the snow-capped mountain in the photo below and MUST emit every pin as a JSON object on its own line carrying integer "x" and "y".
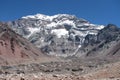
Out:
{"x": 58, "y": 34}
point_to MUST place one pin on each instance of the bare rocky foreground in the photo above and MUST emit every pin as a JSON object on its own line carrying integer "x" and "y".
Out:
{"x": 75, "y": 69}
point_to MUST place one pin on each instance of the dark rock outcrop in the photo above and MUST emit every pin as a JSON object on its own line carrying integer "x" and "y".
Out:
{"x": 106, "y": 42}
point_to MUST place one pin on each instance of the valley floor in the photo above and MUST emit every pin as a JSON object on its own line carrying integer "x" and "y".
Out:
{"x": 68, "y": 70}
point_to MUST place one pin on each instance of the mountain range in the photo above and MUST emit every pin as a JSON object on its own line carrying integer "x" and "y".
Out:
{"x": 55, "y": 35}
{"x": 60, "y": 43}
{"x": 63, "y": 34}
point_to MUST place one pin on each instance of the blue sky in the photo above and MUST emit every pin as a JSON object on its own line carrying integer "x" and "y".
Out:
{"x": 95, "y": 11}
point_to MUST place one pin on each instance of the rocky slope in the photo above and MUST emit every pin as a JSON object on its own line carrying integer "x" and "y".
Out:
{"x": 15, "y": 49}
{"x": 105, "y": 44}
{"x": 60, "y": 35}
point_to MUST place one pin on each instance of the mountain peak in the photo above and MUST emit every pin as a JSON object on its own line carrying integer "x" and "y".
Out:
{"x": 46, "y": 31}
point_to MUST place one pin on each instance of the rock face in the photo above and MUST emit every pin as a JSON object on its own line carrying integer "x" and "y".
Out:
{"x": 105, "y": 43}
{"x": 14, "y": 48}
{"x": 60, "y": 35}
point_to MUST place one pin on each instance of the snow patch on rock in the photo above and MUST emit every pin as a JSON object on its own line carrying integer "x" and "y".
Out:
{"x": 60, "y": 32}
